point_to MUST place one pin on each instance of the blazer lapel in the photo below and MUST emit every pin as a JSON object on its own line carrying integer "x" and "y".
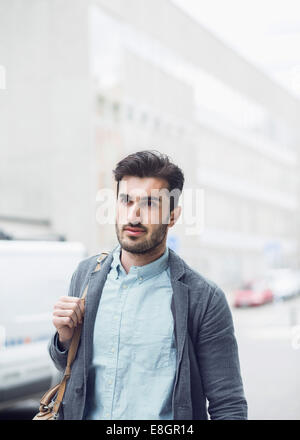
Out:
{"x": 179, "y": 303}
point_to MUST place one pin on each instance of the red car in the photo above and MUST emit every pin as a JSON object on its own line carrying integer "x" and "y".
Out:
{"x": 253, "y": 294}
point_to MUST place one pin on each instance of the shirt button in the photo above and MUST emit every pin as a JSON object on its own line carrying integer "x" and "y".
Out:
{"x": 109, "y": 382}
{"x": 140, "y": 278}
{"x": 124, "y": 286}
{"x": 112, "y": 350}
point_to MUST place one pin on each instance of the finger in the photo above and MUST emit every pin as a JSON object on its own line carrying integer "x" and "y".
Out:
{"x": 74, "y": 299}
{"x": 75, "y": 306}
{"x": 66, "y": 313}
{"x": 70, "y": 299}
{"x": 60, "y": 322}
{"x": 66, "y": 300}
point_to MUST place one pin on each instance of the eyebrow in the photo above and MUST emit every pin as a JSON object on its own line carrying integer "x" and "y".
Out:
{"x": 158, "y": 199}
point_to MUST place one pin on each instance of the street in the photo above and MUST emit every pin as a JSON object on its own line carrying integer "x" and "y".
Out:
{"x": 268, "y": 338}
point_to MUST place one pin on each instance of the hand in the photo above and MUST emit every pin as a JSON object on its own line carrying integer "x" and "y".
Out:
{"x": 68, "y": 313}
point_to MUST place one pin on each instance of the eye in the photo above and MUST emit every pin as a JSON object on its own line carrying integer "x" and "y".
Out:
{"x": 151, "y": 203}
{"x": 124, "y": 199}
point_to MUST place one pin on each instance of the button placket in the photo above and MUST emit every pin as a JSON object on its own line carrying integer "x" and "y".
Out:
{"x": 113, "y": 354}
{"x": 114, "y": 348}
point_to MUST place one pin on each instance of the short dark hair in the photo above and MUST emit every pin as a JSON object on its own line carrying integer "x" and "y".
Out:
{"x": 151, "y": 163}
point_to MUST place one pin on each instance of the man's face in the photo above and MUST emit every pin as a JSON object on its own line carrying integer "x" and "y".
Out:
{"x": 142, "y": 218}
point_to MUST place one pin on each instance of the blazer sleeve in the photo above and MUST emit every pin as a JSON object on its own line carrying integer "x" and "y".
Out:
{"x": 218, "y": 358}
{"x": 57, "y": 353}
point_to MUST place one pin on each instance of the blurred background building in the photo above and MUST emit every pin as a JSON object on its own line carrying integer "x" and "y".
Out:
{"x": 88, "y": 82}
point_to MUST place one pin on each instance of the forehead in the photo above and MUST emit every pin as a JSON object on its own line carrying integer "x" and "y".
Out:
{"x": 133, "y": 185}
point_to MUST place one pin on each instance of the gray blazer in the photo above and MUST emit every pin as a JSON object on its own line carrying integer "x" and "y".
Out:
{"x": 208, "y": 366}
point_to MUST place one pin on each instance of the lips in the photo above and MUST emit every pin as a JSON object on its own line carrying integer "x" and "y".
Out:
{"x": 134, "y": 231}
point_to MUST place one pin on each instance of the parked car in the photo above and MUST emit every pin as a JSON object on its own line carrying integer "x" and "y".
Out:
{"x": 34, "y": 274}
{"x": 284, "y": 283}
{"x": 277, "y": 284}
{"x": 254, "y": 293}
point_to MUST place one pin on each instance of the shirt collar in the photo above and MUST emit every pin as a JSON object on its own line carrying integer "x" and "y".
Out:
{"x": 116, "y": 265}
{"x": 142, "y": 272}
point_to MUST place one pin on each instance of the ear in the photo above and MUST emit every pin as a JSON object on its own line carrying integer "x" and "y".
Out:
{"x": 174, "y": 216}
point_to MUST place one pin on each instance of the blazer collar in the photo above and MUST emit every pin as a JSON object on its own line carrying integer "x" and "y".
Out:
{"x": 176, "y": 265}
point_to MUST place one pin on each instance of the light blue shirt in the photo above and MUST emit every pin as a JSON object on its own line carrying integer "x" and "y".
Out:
{"x": 134, "y": 355}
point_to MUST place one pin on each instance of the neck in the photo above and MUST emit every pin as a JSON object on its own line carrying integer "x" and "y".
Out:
{"x": 129, "y": 259}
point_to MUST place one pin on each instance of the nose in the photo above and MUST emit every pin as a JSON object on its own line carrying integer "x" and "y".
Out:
{"x": 134, "y": 214}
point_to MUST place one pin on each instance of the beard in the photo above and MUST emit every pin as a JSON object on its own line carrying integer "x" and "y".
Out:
{"x": 140, "y": 245}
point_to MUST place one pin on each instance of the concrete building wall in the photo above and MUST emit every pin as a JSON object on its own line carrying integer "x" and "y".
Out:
{"x": 46, "y": 153}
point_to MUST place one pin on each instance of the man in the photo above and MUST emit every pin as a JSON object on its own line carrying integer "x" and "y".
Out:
{"x": 158, "y": 338}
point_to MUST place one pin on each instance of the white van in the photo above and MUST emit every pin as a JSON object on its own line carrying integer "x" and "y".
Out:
{"x": 33, "y": 275}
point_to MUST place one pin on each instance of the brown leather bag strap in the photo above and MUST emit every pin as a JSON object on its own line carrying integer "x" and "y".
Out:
{"x": 73, "y": 349}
